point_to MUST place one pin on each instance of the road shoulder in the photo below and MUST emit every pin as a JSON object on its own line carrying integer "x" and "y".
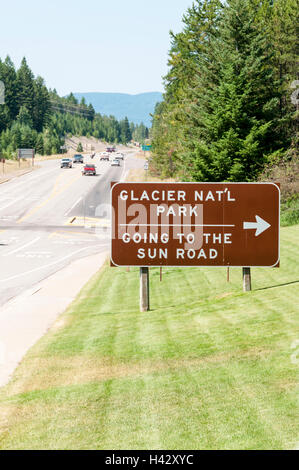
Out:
{"x": 25, "y": 319}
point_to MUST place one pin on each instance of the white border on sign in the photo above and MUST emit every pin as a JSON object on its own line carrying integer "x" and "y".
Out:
{"x": 196, "y": 266}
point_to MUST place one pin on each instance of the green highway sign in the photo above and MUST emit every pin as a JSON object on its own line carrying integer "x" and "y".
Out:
{"x": 146, "y": 148}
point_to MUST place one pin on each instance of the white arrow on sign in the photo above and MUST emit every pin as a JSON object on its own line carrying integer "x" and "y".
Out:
{"x": 260, "y": 225}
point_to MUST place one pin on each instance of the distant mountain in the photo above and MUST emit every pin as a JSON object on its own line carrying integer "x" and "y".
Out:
{"x": 137, "y": 108}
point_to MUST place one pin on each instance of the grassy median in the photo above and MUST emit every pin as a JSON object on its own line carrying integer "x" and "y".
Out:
{"x": 209, "y": 367}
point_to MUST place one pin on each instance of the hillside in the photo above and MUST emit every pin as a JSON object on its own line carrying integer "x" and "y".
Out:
{"x": 137, "y": 108}
{"x": 34, "y": 116}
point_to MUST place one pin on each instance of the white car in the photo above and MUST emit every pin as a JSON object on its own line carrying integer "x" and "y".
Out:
{"x": 119, "y": 156}
{"x": 66, "y": 163}
{"x": 115, "y": 162}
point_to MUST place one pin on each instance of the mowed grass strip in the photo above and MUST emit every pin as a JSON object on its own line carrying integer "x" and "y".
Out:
{"x": 209, "y": 367}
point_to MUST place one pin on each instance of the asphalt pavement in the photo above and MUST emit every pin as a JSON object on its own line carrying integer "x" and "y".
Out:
{"x": 52, "y": 217}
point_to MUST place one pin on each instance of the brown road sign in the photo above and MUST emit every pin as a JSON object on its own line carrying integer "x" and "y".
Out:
{"x": 195, "y": 224}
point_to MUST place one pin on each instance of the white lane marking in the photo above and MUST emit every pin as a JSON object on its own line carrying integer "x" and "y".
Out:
{"x": 28, "y": 180}
{"x": 86, "y": 194}
{"x": 47, "y": 265}
{"x": 123, "y": 175}
{"x": 72, "y": 241}
{"x": 74, "y": 205}
{"x": 33, "y": 198}
{"x": 11, "y": 203}
{"x": 8, "y": 241}
{"x": 38, "y": 252}
{"x": 9, "y": 217}
{"x": 33, "y": 255}
{"x": 22, "y": 247}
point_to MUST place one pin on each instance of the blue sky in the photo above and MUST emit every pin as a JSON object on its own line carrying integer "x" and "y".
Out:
{"x": 92, "y": 45}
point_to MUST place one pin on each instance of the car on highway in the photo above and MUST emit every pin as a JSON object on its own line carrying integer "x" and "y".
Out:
{"x": 78, "y": 158}
{"x": 104, "y": 156}
{"x": 89, "y": 169}
{"x": 119, "y": 156}
{"x": 66, "y": 163}
{"x": 115, "y": 162}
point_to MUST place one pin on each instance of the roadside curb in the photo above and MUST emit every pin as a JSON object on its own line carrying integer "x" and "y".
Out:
{"x": 5, "y": 181}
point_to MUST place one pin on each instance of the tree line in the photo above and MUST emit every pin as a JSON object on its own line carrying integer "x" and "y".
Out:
{"x": 33, "y": 116}
{"x": 227, "y": 111}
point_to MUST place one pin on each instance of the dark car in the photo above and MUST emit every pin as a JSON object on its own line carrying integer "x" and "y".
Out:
{"x": 89, "y": 169}
{"x": 78, "y": 158}
{"x": 104, "y": 156}
{"x": 66, "y": 163}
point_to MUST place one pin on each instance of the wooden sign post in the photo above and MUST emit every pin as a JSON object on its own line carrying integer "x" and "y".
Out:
{"x": 246, "y": 279}
{"x": 144, "y": 289}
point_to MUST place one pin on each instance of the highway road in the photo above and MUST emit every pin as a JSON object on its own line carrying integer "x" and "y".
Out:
{"x": 51, "y": 217}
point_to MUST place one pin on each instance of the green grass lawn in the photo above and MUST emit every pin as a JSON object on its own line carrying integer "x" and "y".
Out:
{"x": 209, "y": 367}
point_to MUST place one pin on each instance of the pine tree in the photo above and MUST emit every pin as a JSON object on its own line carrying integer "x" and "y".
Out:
{"x": 91, "y": 112}
{"x": 8, "y": 111}
{"x": 24, "y": 117}
{"x": 71, "y": 99}
{"x": 283, "y": 28}
{"x": 226, "y": 110}
{"x": 39, "y": 145}
{"x": 168, "y": 130}
{"x": 25, "y": 82}
{"x": 233, "y": 116}
{"x": 125, "y": 135}
{"x": 41, "y": 104}
{"x": 79, "y": 147}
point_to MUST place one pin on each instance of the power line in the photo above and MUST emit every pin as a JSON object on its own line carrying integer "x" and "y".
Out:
{"x": 70, "y": 109}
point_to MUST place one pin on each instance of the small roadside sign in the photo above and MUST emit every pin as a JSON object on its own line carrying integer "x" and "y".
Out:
{"x": 195, "y": 224}
{"x": 26, "y": 153}
{"x": 146, "y": 148}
